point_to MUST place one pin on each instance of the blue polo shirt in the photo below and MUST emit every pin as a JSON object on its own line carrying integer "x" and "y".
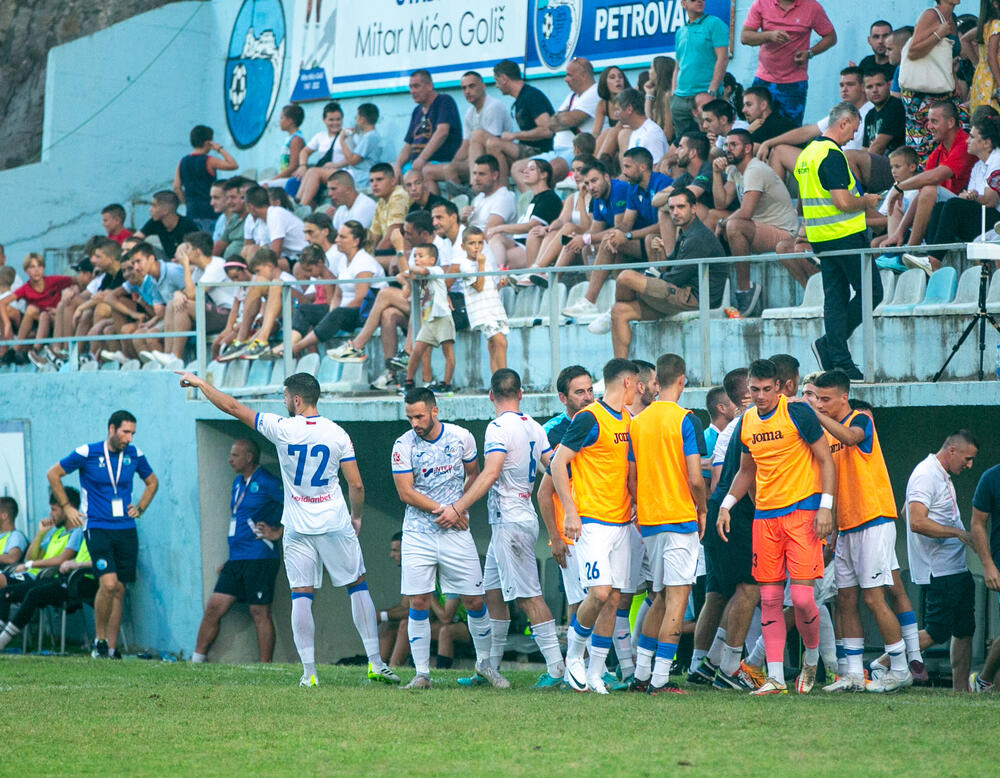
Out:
{"x": 606, "y": 209}
{"x": 641, "y": 200}
{"x": 696, "y": 45}
{"x": 11, "y": 540}
{"x": 260, "y": 499}
{"x": 96, "y": 488}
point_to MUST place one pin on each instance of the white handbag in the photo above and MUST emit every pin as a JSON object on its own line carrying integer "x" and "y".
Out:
{"x": 932, "y": 73}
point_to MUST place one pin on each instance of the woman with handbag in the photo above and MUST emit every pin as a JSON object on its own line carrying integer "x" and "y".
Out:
{"x": 926, "y": 72}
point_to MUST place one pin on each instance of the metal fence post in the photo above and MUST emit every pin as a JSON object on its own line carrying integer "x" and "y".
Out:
{"x": 286, "y": 328}
{"x": 554, "y": 313}
{"x": 201, "y": 344}
{"x": 867, "y": 317}
{"x": 704, "y": 323}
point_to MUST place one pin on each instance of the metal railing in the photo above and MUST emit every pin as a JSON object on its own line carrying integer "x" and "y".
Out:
{"x": 554, "y": 314}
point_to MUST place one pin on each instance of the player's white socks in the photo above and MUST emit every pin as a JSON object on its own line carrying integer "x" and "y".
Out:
{"x": 576, "y": 639}
{"x": 365, "y": 620}
{"x": 754, "y": 631}
{"x": 498, "y": 642}
{"x": 197, "y": 658}
{"x": 548, "y": 643}
{"x": 697, "y": 655}
{"x": 639, "y": 618}
{"x": 827, "y": 638}
{"x": 731, "y": 656}
{"x": 304, "y": 631}
{"x": 482, "y": 633}
{"x": 665, "y": 653}
{"x": 600, "y": 645}
{"x": 418, "y": 629}
{"x": 758, "y": 654}
{"x": 8, "y": 634}
{"x": 897, "y": 656}
{"x": 645, "y": 651}
{"x": 622, "y": 637}
{"x": 854, "y": 649}
{"x": 908, "y": 626}
{"x": 715, "y": 652}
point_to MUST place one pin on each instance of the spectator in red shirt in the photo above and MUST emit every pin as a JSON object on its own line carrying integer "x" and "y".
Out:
{"x": 41, "y": 294}
{"x": 948, "y": 168}
{"x": 113, "y": 219}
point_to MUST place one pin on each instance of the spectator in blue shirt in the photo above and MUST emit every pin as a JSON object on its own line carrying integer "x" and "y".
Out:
{"x": 107, "y": 469}
{"x": 702, "y": 55}
{"x": 12, "y": 541}
{"x": 435, "y": 130}
{"x": 248, "y": 575}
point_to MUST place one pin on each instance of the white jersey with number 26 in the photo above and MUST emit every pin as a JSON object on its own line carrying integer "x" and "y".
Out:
{"x": 310, "y": 450}
{"x": 524, "y": 442}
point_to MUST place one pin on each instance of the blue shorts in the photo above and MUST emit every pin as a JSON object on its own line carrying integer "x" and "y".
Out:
{"x": 406, "y": 167}
{"x": 789, "y": 99}
{"x": 566, "y": 155}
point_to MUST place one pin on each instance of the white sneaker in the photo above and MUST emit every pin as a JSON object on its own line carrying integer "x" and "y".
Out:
{"x": 146, "y": 356}
{"x": 847, "y": 683}
{"x": 924, "y": 263}
{"x": 342, "y": 350}
{"x": 576, "y": 675}
{"x": 597, "y": 686}
{"x": 114, "y": 356}
{"x": 382, "y": 382}
{"x": 163, "y": 358}
{"x": 890, "y": 682}
{"x": 877, "y": 671}
{"x": 581, "y": 307}
{"x": 601, "y": 325}
{"x": 491, "y": 674}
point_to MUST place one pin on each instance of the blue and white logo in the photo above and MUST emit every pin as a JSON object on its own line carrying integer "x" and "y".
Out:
{"x": 557, "y": 27}
{"x": 254, "y": 67}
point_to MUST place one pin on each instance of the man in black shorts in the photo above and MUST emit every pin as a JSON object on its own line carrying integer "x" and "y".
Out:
{"x": 107, "y": 469}
{"x": 248, "y": 576}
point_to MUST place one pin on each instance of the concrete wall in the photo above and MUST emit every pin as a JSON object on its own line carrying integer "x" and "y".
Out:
{"x": 147, "y": 80}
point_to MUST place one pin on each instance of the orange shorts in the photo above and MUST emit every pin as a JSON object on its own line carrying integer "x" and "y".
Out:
{"x": 786, "y": 544}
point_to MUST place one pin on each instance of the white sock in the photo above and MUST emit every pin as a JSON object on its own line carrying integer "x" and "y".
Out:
{"x": 753, "y": 631}
{"x": 548, "y": 643}
{"x": 418, "y": 629}
{"x": 908, "y": 626}
{"x": 854, "y": 649}
{"x": 637, "y": 627}
{"x": 827, "y": 638}
{"x": 645, "y": 652}
{"x": 8, "y": 634}
{"x": 731, "y": 656}
{"x": 715, "y": 652}
{"x": 499, "y": 640}
{"x": 622, "y": 637}
{"x": 196, "y": 658}
{"x": 600, "y": 645}
{"x": 776, "y": 670}
{"x": 897, "y": 656}
{"x": 697, "y": 655}
{"x": 757, "y": 654}
{"x": 482, "y": 634}
{"x": 665, "y": 653}
{"x": 304, "y": 631}
{"x": 365, "y": 621}
{"x": 576, "y": 639}
{"x": 810, "y": 656}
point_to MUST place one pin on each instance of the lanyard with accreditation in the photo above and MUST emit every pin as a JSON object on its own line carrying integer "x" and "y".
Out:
{"x": 237, "y": 502}
{"x": 117, "y": 503}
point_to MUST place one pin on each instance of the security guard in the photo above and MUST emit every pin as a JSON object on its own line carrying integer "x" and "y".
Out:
{"x": 833, "y": 209}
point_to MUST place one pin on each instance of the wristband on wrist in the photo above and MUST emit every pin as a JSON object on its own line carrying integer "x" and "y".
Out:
{"x": 728, "y": 501}
{"x": 826, "y": 501}
{"x": 587, "y": 238}
{"x": 383, "y": 616}
{"x": 29, "y": 564}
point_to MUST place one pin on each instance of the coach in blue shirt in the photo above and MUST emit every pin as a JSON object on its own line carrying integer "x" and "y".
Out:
{"x": 107, "y": 469}
{"x": 248, "y": 576}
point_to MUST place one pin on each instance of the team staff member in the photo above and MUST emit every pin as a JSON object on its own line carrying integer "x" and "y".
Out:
{"x": 834, "y": 212}
{"x": 787, "y": 459}
{"x": 866, "y": 540}
{"x": 598, "y": 506}
{"x": 670, "y": 507}
{"x": 248, "y": 575}
{"x": 107, "y": 469}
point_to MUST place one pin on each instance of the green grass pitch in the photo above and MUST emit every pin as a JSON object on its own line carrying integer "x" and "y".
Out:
{"x": 77, "y": 716}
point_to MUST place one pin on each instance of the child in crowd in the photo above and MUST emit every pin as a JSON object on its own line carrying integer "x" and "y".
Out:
{"x": 41, "y": 295}
{"x": 482, "y": 301}
{"x": 291, "y": 120}
{"x": 113, "y": 221}
{"x": 436, "y": 325}
{"x": 7, "y": 277}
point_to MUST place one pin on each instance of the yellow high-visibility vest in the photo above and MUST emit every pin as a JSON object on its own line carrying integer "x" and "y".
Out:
{"x": 823, "y": 220}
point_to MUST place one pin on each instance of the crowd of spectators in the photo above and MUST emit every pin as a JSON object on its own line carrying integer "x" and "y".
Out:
{"x": 684, "y": 163}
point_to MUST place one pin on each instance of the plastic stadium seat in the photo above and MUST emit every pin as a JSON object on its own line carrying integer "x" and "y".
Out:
{"x": 215, "y": 371}
{"x": 260, "y": 372}
{"x": 940, "y": 291}
{"x": 967, "y": 294}
{"x": 525, "y": 306}
{"x": 329, "y": 371}
{"x": 191, "y": 367}
{"x": 508, "y": 295}
{"x": 266, "y": 174}
{"x": 888, "y": 283}
{"x": 715, "y": 313}
{"x": 104, "y": 366}
{"x": 576, "y": 293}
{"x": 908, "y": 294}
{"x": 605, "y": 299}
{"x": 811, "y": 306}
{"x": 993, "y": 295}
{"x": 543, "y": 305}
{"x": 308, "y": 364}
{"x": 237, "y": 372}
{"x": 277, "y": 373}
{"x": 132, "y": 364}
{"x": 88, "y": 367}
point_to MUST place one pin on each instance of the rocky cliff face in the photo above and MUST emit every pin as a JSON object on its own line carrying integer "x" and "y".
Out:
{"x": 27, "y": 31}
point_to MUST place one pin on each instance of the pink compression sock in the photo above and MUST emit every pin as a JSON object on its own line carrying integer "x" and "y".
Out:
{"x": 806, "y": 614}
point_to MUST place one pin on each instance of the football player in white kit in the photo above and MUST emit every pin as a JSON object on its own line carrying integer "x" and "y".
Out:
{"x": 513, "y": 447}
{"x": 431, "y": 466}
{"x": 319, "y": 531}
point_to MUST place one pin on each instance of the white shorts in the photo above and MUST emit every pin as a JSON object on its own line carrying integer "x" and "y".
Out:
{"x": 605, "y": 555}
{"x": 825, "y": 588}
{"x": 639, "y": 571}
{"x": 511, "y": 566}
{"x": 575, "y": 591}
{"x": 307, "y": 555}
{"x": 449, "y": 557}
{"x": 493, "y": 328}
{"x": 673, "y": 558}
{"x": 865, "y": 558}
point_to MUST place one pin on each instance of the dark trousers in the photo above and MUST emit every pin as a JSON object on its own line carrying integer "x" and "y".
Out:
{"x": 48, "y": 593}
{"x": 15, "y": 591}
{"x": 958, "y": 221}
{"x": 841, "y": 309}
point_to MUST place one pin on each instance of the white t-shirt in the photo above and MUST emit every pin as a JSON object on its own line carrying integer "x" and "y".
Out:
{"x": 738, "y": 124}
{"x": 321, "y": 142}
{"x": 502, "y": 203}
{"x": 438, "y": 468}
{"x": 523, "y": 441}
{"x": 255, "y": 230}
{"x": 310, "y": 451}
{"x": 587, "y": 102}
{"x": 857, "y": 142}
{"x": 215, "y": 272}
{"x": 931, "y": 485}
{"x": 95, "y": 283}
{"x": 722, "y": 443}
{"x": 494, "y": 118}
{"x": 363, "y": 262}
{"x": 650, "y": 136}
{"x": 981, "y": 172}
{"x": 433, "y": 295}
{"x": 285, "y": 225}
{"x": 363, "y": 211}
